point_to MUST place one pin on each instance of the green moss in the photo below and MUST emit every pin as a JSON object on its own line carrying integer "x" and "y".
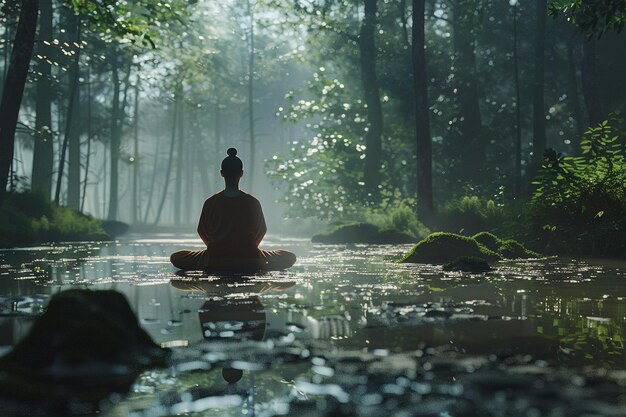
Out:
{"x": 468, "y": 264}
{"x": 512, "y": 249}
{"x": 440, "y": 248}
{"x": 488, "y": 240}
{"x": 27, "y": 219}
{"x": 507, "y": 248}
{"x": 362, "y": 233}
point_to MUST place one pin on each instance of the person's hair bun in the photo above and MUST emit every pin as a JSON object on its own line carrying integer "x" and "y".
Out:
{"x": 231, "y": 152}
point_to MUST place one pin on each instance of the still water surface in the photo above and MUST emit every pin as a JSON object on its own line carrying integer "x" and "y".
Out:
{"x": 348, "y": 331}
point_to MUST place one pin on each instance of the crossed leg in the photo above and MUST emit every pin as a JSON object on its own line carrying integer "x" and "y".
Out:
{"x": 268, "y": 260}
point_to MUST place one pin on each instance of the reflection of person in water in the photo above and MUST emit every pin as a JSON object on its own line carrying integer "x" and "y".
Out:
{"x": 232, "y": 227}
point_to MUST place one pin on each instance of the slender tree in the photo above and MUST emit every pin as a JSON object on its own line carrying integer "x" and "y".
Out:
{"x": 15, "y": 82}
{"x": 168, "y": 172}
{"x": 251, "y": 121}
{"x": 115, "y": 140}
{"x": 590, "y": 83}
{"x": 74, "y": 114}
{"x": 371, "y": 90}
{"x": 136, "y": 209}
{"x": 43, "y": 152}
{"x": 539, "y": 117}
{"x": 572, "y": 76}
{"x": 518, "y": 108}
{"x": 422, "y": 122}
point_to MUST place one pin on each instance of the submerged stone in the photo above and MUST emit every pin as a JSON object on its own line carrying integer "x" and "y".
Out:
{"x": 441, "y": 248}
{"x": 468, "y": 264}
{"x": 86, "y": 345}
{"x": 362, "y": 233}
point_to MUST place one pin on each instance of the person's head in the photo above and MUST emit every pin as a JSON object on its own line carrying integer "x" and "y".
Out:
{"x": 232, "y": 167}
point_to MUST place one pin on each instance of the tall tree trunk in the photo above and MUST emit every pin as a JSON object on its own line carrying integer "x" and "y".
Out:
{"x": 518, "y": 109}
{"x": 168, "y": 172}
{"x": 43, "y": 152}
{"x": 189, "y": 172}
{"x": 114, "y": 150}
{"x": 251, "y": 125}
{"x": 152, "y": 180}
{"x": 136, "y": 202}
{"x": 574, "y": 96}
{"x": 73, "y": 169}
{"x": 369, "y": 79}
{"x": 422, "y": 122}
{"x": 590, "y": 83}
{"x": 217, "y": 137}
{"x": 14, "y": 86}
{"x": 89, "y": 139}
{"x": 473, "y": 146}
{"x": 539, "y": 116}
{"x": 178, "y": 191}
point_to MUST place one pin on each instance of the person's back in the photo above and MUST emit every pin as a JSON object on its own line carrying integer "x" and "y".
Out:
{"x": 232, "y": 226}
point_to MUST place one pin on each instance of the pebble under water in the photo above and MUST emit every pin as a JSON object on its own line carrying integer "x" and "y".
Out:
{"x": 346, "y": 331}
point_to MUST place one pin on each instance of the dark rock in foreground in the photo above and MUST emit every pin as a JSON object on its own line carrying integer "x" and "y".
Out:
{"x": 362, "y": 233}
{"x": 87, "y": 345}
{"x": 468, "y": 264}
{"x": 441, "y": 248}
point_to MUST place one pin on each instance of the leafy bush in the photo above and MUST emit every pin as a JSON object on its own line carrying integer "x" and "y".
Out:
{"x": 391, "y": 213}
{"x": 580, "y": 202}
{"x": 471, "y": 214}
{"x": 27, "y": 218}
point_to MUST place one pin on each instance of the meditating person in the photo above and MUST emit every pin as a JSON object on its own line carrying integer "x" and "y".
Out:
{"x": 232, "y": 226}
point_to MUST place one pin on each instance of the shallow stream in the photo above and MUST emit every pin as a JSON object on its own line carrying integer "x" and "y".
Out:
{"x": 347, "y": 331}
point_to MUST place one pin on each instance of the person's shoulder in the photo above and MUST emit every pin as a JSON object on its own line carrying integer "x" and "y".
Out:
{"x": 214, "y": 198}
{"x": 250, "y": 197}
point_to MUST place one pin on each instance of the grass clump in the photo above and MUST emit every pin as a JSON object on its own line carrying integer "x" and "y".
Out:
{"x": 28, "y": 218}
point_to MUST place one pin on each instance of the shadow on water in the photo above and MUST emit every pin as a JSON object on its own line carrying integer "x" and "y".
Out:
{"x": 349, "y": 331}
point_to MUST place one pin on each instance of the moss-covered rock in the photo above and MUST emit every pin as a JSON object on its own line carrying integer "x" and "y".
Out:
{"x": 86, "y": 345}
{"x": 362, "y": 233}
{"x": 468, "y": 264}
{"x": 488, "y": 240}
{"x": 509, "y": 248}
{"x": 512, "y": 249}
{"x": 440, "y": 248}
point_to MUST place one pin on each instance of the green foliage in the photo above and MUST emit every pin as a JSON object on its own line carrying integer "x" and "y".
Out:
{"x": 592, "y": 16}
{"x": 393, "y": 214}
{"x": 322, "y": 176}
{"x": 130, "y": 21}
{"x": 580, "y": 201}
{"x": 27, "y": 218}
{"x": 362, "y": 233}
{"x": 471, "y": 214}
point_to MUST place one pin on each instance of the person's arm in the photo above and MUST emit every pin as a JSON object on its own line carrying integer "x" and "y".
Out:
{"x": 261, "y": 226}
{"x": 202, "y": 225}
